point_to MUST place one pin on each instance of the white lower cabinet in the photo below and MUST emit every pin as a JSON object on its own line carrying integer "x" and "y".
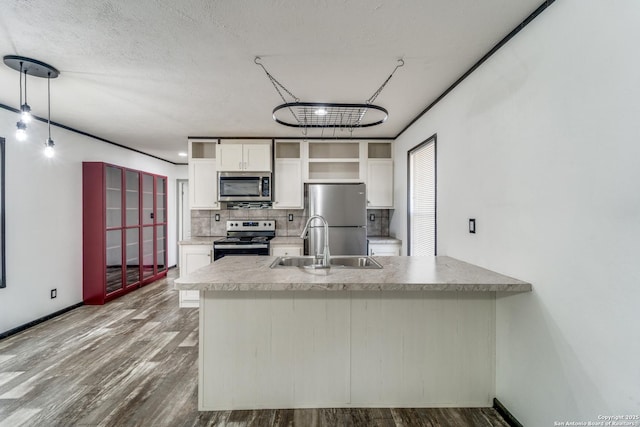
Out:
{"x": 289, "y": 250}
{"x": 389, "y": 247}
{"x": 193, "y": 257}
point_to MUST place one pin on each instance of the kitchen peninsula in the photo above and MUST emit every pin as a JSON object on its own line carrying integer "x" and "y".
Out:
{"x": 420, "y": 332}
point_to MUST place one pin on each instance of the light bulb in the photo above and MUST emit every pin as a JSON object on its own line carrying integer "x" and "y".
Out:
{"x": 21, "y": 131}
{"x": 320, "y": 112}
{"x": 48, "y": 148}
{"x": 25, "y": 116}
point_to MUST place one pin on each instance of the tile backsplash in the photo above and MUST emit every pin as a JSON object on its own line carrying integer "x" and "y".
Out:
{"x": 203, "y": 222}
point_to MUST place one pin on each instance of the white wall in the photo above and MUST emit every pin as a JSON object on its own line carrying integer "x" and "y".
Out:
{"x": 541, "y": 145}
{"x": 44, "y": 216}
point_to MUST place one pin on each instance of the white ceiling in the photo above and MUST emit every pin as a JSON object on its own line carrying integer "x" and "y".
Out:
{"x": 148, "y": 73}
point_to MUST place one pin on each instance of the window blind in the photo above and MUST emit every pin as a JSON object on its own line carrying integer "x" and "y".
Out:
{"x": 422, "y": 200}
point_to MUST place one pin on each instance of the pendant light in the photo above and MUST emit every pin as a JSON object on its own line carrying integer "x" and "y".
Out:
{"x": 48, "y": 145}
{"x": 21, "y": 126}
{"x": 36, "y": 68}
{"x": 25, "y": 109}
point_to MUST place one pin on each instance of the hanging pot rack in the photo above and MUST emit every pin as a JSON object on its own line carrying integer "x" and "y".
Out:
{"x": 323, "y": 115}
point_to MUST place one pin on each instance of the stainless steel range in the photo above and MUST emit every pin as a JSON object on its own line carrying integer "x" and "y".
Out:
{"x": 246, "y": 237}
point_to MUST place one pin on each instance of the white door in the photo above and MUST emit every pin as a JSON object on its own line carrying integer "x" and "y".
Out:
{"x": 184, "y": 213}
{"x": 422, "y": 199}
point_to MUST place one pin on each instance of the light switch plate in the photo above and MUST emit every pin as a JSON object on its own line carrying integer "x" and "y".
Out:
{"x": 372, "y": 217}
{"x": 290, "y": 217}
{"x": 472, "y": 225}
{"x": 217, "y": 217}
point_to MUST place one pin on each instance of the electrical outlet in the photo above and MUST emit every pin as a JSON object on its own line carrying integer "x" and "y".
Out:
{"x": 372, "y": 217}
{"x": 54, "y": 293}
{"x": 217, "y": 217}
{"x": 290, "y": 217}
{"x": 472, "y": 225}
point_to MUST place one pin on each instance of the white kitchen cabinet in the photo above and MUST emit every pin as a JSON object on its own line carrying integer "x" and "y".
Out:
{"x": 384, "y": 247}
{"x": 288, "y": 250}
{"x": 289, "y": 187}
{"x": 203, "y": 187}
{"x": 379, "y": 175}
{"x": 193, "y": 257}
{"x": 380, "y": 184}
{"x": 334, "y": 162}
{"x": 251, "y": 157}
{"x": 203, "y": 175}
{"x": 288, "y": 183}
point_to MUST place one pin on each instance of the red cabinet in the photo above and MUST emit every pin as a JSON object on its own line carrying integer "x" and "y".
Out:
{"x": 124, "y": 229}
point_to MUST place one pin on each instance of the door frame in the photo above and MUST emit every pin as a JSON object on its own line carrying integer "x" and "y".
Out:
{"x": 180, "y": 215}
{"x": 3, "y": 257}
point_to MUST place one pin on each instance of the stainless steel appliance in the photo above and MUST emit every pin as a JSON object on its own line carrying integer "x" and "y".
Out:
{"x": 344, "y": 207}
{"x": 245, "y": 237}
{"x": 244, "y": 186}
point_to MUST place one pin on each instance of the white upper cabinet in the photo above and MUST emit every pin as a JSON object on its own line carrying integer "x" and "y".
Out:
{"x": 334, "y": 162}
{"x": 203, "y": 179}
{"x": 257, "y": 157}
{"x": 289, "y": 187}
{"x": 379, "y": 175}
{"x": 233, "y": 156}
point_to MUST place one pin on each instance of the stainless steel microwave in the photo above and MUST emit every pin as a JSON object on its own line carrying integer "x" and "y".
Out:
{"x": 244, "y": 186}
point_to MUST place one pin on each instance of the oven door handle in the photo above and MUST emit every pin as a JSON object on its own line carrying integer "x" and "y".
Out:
{"x": 252, "y": 246}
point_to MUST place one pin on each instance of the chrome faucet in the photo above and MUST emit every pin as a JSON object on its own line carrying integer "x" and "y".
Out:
{"x": 325, "y": 256}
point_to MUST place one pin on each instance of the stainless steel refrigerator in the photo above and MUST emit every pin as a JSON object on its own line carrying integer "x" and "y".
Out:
{"x": 344, "y": 206}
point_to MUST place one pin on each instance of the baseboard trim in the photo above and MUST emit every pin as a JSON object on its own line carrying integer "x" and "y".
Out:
{"x": 26, "y": 326}
{"x": 504, "y": 413}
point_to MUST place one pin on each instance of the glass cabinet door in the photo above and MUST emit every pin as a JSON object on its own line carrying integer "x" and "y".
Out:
{"x": 161, "y": 247}
{"x": 132, "y": 222}
{"x": 147, "y": 199}
{"x": 148, "y": 251}
{"x": 114, "y": 260}
{"x": 132, "y": 236}
{"x": 132, "y": 199}
{"x": 161, "y": 208}
{"x": 113, "y": 177}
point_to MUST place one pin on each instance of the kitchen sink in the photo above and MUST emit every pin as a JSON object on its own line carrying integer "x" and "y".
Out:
{"x": 344, "y": 261}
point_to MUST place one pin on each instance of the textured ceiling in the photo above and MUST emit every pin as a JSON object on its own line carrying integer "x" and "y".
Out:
{"x": 148, "y": 73}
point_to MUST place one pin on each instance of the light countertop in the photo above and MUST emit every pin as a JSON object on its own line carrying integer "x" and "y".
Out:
{"x": 286, "y": 241}
{"x": 204, "y": 240}
{"x": 252, "y": 273}
{"x": 384, "y": 240}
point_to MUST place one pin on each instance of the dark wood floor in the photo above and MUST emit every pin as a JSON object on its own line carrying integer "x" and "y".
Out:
{"x": 133, "y": 362}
